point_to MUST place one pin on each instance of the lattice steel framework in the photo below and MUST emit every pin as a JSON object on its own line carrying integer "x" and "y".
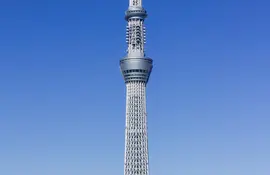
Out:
{"x": 136, "y": 148}
{"x": 136, "y": 70}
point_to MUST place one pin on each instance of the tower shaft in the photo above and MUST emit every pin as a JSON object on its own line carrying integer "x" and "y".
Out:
{"x": 136, "y": 69}
{"x": 136, "y": 142}
{"x": 135, "y": 37}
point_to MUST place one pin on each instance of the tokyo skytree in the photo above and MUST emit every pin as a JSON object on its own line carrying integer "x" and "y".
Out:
{"x": 136, "y": 69}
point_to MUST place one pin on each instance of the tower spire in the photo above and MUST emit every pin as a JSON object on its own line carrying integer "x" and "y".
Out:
{"x": 137, "y": 3}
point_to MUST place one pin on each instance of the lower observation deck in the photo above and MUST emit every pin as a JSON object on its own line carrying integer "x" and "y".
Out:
{"x": 136, "y": 69}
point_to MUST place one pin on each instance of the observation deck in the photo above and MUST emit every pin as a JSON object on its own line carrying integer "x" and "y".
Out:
{"x": 136, "y": 69}
{"x": 136, "y": 12}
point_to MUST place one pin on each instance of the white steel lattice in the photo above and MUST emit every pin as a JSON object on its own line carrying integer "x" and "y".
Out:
{"x": 135, "y": 37}
{"x": 136, "y": 139}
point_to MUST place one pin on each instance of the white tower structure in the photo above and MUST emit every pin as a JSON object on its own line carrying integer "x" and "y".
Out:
{"x": 136, "y": 69}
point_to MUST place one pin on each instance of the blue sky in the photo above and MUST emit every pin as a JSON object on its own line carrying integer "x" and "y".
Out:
{"x": 62, "y": 97}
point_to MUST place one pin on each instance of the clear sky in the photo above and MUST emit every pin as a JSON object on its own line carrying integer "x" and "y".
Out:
{"x": 62, "y": 97}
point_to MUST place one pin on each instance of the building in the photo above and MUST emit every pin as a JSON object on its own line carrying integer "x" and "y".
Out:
{"x": 136, "y": 69}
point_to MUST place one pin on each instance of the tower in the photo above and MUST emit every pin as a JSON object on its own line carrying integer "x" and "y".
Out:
{"x": 136, "y": 69}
